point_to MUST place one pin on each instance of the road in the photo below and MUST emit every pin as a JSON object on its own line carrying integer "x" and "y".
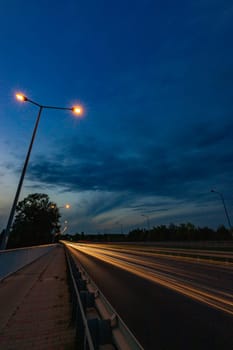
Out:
{"x": 168, "y": 302}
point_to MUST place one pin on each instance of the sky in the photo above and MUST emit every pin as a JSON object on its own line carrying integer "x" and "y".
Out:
{"x": 155, "y": 79}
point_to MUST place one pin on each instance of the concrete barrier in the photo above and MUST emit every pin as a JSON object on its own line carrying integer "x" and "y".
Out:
{"x": 14, "y": 259}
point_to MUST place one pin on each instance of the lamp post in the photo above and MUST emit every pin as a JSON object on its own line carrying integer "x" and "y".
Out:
{"x": 121, "y": 225}
{"x": 65, "y": 226}
{"x": 23, "y": 98}
{"x": 225, "y": 208}
{"x": 148, "y": 220}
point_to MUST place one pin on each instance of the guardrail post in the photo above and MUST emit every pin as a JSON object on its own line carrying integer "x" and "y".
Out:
{"x": 101, "y": 332}
{"x": 80, "y": 334}
{"x": 87, "y": 298}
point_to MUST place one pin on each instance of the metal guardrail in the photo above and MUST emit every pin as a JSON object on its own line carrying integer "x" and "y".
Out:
{"x": 97, "y": 323}
{"x": 84, "y": 338}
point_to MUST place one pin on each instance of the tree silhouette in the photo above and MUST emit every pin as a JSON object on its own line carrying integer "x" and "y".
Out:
{"x": 36, "y": 221}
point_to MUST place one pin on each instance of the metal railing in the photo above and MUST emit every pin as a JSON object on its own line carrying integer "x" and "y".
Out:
{"x": 97, "y": 323}
{"x": 83, "y": 335}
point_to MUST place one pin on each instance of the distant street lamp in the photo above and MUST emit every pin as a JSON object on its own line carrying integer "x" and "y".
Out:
{"x": 225, "y": 208}
{"x": 65, "y": 226}
{"x": 148, "y": 220}
{"x": 59, "y": 233}
{"x": 77, "y": 110}
{"x": 121, "y": 225}
{"x": 66, "y": 206}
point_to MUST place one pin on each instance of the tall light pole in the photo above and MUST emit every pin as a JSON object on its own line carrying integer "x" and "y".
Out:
{"x": 118, "y": 223}
{"x": 23, "y": 98}
{"x": 148, "y": 220}
{"x": 225, "y": 208}
{"x": 65, "y": 226}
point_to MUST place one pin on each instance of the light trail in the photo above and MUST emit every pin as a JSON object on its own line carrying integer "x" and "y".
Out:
{"x": 180, "y": 253}
{"x": 176, "y": 279}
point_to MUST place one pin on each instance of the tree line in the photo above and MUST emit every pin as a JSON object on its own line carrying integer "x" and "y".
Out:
{"x": 183, "y": 232}
{"x": 37, "y": 222}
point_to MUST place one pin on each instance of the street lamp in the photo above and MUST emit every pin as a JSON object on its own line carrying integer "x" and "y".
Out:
{"x": 148, "y": 220}
{"x": 225, "y": 208}
{"x": 75, "y": 109}
{"x": 66, "y": 206}
{"x": 65, "y": 226}
{"x": 121, "y": 225}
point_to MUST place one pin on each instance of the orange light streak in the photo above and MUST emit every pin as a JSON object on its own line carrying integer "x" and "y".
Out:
{"x": 166, "y": 276}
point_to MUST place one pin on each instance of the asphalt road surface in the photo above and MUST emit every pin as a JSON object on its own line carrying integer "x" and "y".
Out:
{"x": 167, "y": 302}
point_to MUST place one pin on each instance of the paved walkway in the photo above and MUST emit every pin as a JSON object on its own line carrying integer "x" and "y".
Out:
{"x": 34, "y": 306}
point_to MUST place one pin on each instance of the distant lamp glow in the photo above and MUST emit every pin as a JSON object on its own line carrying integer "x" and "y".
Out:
{"x": 77, "y": 110}
{"x": 21, "y": 97}
{"x": 66, "y": 206}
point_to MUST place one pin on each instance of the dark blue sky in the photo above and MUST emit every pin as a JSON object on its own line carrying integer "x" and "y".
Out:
{"x": 156, "y": 81}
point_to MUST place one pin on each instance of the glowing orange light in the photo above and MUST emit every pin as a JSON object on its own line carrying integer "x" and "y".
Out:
{"x": 21, "y": 97}
{"x": 67, "y": 206}
{"x": 77, "y": 110}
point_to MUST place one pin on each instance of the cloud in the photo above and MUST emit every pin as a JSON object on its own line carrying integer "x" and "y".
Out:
{"x": 183, "y": 169}
{"x": 209, "y": 134}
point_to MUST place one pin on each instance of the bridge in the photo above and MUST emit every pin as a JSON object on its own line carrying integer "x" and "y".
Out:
{"x": 116, "y": 296}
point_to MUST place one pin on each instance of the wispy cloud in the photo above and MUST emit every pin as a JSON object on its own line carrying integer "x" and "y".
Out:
{"x": 180, "y": 172}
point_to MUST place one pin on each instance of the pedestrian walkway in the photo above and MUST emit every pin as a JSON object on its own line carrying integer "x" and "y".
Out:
{"x": 35, "y": 311}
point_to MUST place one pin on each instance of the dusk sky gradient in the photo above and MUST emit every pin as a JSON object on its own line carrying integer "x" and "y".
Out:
{"x": 156, "y": 82}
